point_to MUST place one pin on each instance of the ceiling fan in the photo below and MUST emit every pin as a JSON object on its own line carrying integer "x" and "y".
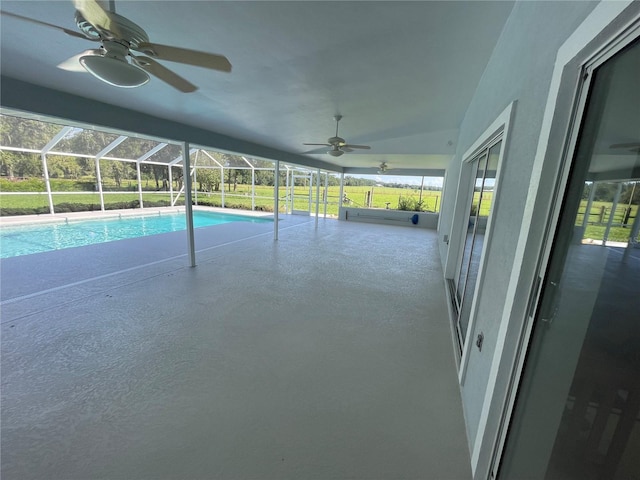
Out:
{"x": 114, "y": 62}
{"x": 382, "y": 169}
{"x": 339, "y": 145}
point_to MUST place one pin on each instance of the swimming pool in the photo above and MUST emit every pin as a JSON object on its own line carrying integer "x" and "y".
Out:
{"x": 28, "y": 239}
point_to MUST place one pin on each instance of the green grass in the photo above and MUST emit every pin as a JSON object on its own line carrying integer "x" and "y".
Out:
{"x": 616, "y": 234}
{"x": 240, "y": 198}
{"x": 599, "y": 217}
{"x": 39, "y": 203}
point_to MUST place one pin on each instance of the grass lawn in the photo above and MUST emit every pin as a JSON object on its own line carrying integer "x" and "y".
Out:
{"x": 381, "y": 197}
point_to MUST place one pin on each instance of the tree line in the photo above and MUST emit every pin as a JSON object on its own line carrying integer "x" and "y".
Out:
{"x": 605, "y": 192}
{"x": 33, "y": 134}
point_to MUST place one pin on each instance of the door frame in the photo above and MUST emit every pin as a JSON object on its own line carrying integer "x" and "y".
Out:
{"x": 609, "y": 26}
{"x": 499, "y": 128}
{"x": 497, "y": 131}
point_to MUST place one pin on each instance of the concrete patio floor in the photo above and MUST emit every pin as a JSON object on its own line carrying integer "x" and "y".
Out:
{"x": 326, "y": 354}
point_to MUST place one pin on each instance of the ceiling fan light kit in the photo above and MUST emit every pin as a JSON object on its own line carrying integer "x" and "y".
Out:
{"x": 339, "y": 145}
{"x": 111, "y": 66}
{"x": 114, "y": 71}
{"x": 119, "y": 37}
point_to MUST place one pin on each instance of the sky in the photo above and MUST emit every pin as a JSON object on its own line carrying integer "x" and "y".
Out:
{"x": 428, "y": 181}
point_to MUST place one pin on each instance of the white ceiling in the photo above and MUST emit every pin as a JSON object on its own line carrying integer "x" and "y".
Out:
{"x": 400, "y": 73}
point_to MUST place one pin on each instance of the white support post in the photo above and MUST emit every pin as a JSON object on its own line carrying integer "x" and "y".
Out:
{"x": 317, "y": 196}
{"x": 195, "y": 183}
{"x": 171, "y": 183}
{"x": 341, "y": 192}
{"x": 149, "y": 154}
{"x": 188, "y": 209}
{"x": 326, "y": 192}
{"x": 45, "y": 168}
{"x": 101, "y": 154}
{"x": 99, "y": 180}
{"x": 253, "y": 183}
{"x": 253, "y": 188}
{"x": 47, "y": 182}
{"x": 309, "y": 177}
{"x": 614, "y": 206}
{"x": 276, "y": 200}
{"x": 195, "y": 176}
{"x": 287, "y": 199}
{"x": 635, "y": 229}
{"x": 592, "y": 193}
{"x": 139, "y": 176}
{"x": 222, "y": 183}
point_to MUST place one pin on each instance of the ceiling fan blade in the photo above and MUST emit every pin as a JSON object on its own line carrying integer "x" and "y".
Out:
{"x": 319, "y": 144}
{"x": 362, "y": 147}
{"x": 73, "y": 64}
{"x": 71, "y": 33}
{"x": 345, "y": 148}
{"x": 184, "y": 55}
{"x": 164, "y": 74}
{"x": 97, "y": 16}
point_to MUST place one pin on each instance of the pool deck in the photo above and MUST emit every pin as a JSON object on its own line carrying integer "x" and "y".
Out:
{"x": 75, "y": 268}
{"x": 324, "y": 355}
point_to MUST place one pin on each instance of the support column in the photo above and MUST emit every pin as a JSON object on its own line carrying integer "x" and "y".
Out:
{"x": 101, "y": 154}
{"x": 139, "y": 183}
{"x": 222, "y": 184}
{"x": 585, "y": 219}
{"x": 635, "y": 230}
{"x": 614, "y": 206}
{"x": 188, "y": 209}
{"x": 47, "y": 182}
{"x": 99, "y": 180}
{"x": 310, "y": 177}
{"x": 341, "y": 193}
{"x": 287, "y": 198}
{"x": 195, "y": 181}
{"x": 326, "y": 192}
{"x": 276, "y": 200}
{"x": 317, "y": 196}
{"x": 45, "y": 168}
{"x": 171, "y": 183}
{"x": 253, "y": 188}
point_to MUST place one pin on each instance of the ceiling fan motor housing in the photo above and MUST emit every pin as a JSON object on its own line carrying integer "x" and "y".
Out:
{"x": 129, "y": 32}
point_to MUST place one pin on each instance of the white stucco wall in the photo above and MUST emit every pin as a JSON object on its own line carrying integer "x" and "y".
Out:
{"x": 519, "y": 71}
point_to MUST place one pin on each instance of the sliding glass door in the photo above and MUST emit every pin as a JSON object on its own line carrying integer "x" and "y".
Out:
{"x": 484, "y": 165}
{"x": 576, "y": 413}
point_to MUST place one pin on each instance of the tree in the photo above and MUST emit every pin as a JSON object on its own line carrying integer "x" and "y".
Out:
{"x": 117, "y": 171}
{"x": 630, "y": 193}
{"x": 26, "y": 165}
{"x": 64, "y": 167}
{"x": 208, "y": 179}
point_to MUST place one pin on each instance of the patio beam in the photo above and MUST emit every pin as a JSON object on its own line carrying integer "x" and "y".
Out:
{"x": 276, "y": 184}
{"x": 101, "y": 154}
{"x": 45, "y": 168}
{"x": 188, "y": 208}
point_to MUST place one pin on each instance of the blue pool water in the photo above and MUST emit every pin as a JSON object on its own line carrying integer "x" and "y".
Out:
{"x": 28, "y": 239}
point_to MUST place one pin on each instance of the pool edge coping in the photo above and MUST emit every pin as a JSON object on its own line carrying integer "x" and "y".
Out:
{"x": 45, "y": 218}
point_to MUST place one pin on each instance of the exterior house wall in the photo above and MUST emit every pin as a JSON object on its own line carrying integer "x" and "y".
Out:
{"x": 519, "y": 71}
